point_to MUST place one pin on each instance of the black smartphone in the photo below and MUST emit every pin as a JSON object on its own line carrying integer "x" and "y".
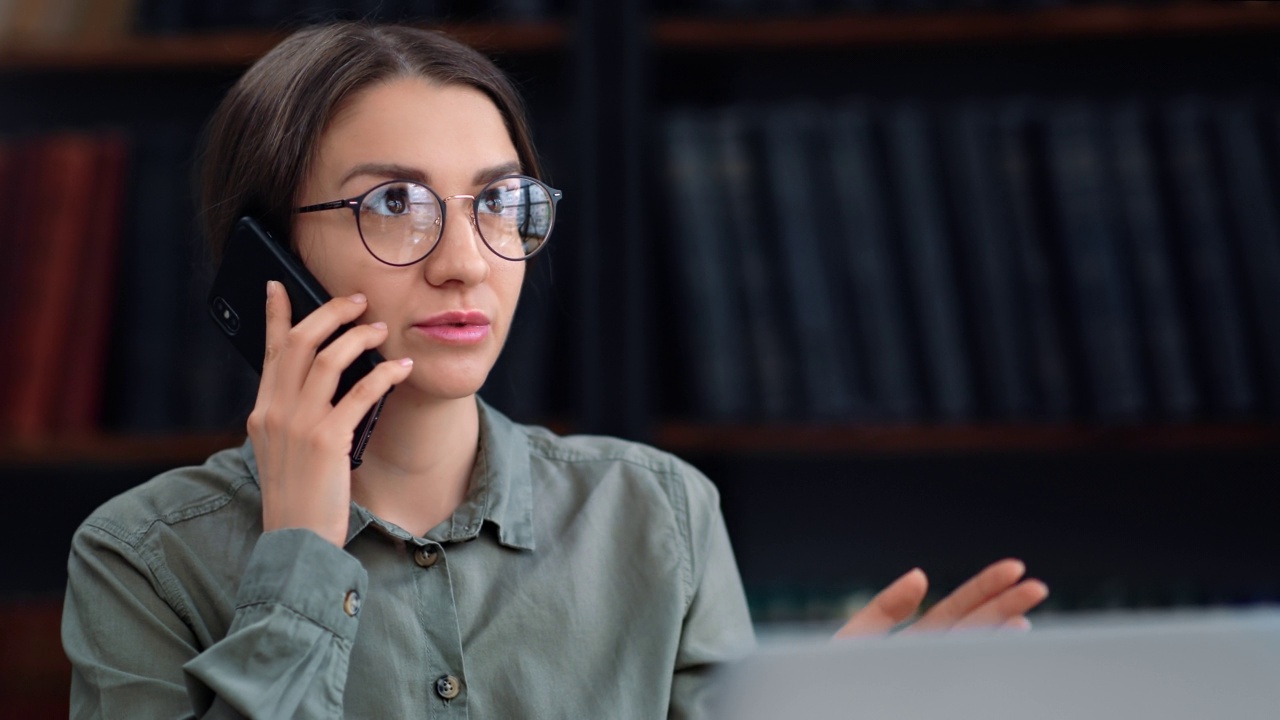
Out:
{"x": 237, "y": 302}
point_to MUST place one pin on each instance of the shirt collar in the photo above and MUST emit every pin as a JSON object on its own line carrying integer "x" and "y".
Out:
{"x": 500, "y": 491}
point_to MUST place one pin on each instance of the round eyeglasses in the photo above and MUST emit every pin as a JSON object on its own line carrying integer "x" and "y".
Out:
{"x": 400, "y": 221}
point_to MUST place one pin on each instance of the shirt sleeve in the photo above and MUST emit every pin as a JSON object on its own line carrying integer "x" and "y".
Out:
{"x": 717, "y": 625}
{"x": 285, "y": 653}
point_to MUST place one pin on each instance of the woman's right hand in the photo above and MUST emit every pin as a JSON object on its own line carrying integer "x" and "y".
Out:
{"x": 301, "y": 439}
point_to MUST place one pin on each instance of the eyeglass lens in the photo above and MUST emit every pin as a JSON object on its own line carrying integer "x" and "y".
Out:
{"x": 401, "y": 222}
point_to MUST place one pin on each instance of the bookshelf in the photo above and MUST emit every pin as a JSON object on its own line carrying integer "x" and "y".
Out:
{"x": 600, "y": 78}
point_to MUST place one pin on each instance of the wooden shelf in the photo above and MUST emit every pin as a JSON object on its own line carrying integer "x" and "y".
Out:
{"x": 1053, "y": 24}
{"x": 238, "y": 49}
{"x": 166, "y": 450}
{"x": 918, "y": 439}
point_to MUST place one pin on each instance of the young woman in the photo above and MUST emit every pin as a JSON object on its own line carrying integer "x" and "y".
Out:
{"x": 470, "y": 567}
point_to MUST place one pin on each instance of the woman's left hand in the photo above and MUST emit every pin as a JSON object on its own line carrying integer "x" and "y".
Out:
{"x": 996, "y": 597}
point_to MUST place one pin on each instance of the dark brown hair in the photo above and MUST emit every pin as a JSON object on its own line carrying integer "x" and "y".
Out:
{"x": 262, "y": 139}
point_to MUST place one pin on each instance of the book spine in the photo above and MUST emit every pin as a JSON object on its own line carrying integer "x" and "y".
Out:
{"x": 823, "y": 351}
{"x": 737, "y": 136}
{"x": 713, "y": 331}
{"x": 1016, "y": 121}
{"x": 1253, "y": 193}
{"x": 930, "y": 260}
{"x": 987, "y": 252}
{"x": 55, "y": 227}
{"x": 1212, "y": 283}
{"x": 1096, "y": 267}
{"x": 80, "y": 406}
{"x": 1160, "y": 298}
{"x": 873, "y": 281}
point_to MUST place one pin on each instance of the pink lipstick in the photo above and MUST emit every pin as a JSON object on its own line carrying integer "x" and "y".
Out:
{"x": 456, "y": 327}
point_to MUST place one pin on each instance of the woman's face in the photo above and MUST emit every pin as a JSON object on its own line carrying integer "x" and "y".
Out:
{"x": 450, "y": 312}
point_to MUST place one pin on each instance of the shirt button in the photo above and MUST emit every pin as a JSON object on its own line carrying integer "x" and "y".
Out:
{"x": 448, "y": 687}
{"x": 426, "y": 556}
{"x": 351, "y": 603}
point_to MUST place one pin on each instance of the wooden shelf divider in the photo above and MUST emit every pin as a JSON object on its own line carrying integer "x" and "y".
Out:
{"x": 962, "y": 438}
{"x": 237, "y": 49}
{"x": 1073, "y": 22}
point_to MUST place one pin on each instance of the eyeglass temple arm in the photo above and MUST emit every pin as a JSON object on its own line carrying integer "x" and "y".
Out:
{"x": 353, "y": 203}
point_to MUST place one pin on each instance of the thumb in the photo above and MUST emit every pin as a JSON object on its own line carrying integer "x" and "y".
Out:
{"x": 889, "y": 607}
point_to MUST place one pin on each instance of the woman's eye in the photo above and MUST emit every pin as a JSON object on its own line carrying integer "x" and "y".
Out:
{"x": 392, "y": 200}
{"x": 493, "y": 202}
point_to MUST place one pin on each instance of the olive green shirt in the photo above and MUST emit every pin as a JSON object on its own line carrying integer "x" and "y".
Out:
{"x": 582, "y": 577}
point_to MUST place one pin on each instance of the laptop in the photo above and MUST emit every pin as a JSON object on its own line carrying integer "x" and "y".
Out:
{"x": 1183, "y": 666}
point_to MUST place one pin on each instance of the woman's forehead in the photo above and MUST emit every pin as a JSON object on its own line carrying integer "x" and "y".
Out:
{"x": 435, "y": 129}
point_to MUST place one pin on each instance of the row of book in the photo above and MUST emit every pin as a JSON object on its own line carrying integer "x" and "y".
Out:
{"x": 988, "y": 259}
{"x": 104, "y": 283}
{"x": 802, "y": 8}
{"x": 105, "y": 272}
{"x": 53, "y": 21}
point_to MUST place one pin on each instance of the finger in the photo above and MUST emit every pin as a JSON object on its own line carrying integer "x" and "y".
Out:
{"x": 991, "y": 581}
{"x": 362, "y": 396}
{"x": 326, "y": 371}
{"x": 302, "y": 341}
{"x": 1008, "y": 605}
{"x": 889, "y": 607}
{"x": 278, "y": 312}
{"x": 1020, "y": 624}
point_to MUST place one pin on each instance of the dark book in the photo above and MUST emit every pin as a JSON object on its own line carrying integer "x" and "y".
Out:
{"x": 146, "y": 393}
{"x": 16, "y": 163}
{"x": 1097, "y": 267}
{"x": 1213, "y": 279}
{"x": 987, "y": 257}
{"x": 873, "y": 280}
{"x": 930, "y": 261}
{"x": 712, "y": 328}
{"x": 54, "y": 224}
{"x": 1021, "y": 187}
{"x": 1160, "y": 296}
{"x": 1252, "y": 192}
{"x": 823, "y": 350}
{"x": 79, "y": 409}
{"x": 744, "y": 182}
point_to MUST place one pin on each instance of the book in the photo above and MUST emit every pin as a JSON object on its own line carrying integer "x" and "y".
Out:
{"x": 1213, "y": 279}
{"x": 930, "y": 261}
{"x": 823, "y": 351}
{"x": 1252, "y": 190}
{"x": 1160, "y": 295}
{"x": 873, "y": 279}
{"x": 54, "y": 223}
{"x": 711, "y": 324}
{"x": 737, "y": 141}
{"x": 1097, "y": 268}
{"x": 1018, "y": 127}
{"x": 79, "y": 406}
{"x": 146, "y": 394}
{"x": 987, "y": 256}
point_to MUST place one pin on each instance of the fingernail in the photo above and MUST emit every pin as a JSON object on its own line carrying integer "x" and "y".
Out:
{"x": 358, "y": 298}
{"x": 271, "y": 288}
{"x": 379, "y": 325}
{"x": 406, "y": 362}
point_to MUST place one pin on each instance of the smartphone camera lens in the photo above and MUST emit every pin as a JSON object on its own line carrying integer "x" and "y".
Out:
{"x": 226, "y": 317}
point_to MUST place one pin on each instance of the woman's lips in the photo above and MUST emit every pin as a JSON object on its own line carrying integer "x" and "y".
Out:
{"x": 456, "y": 327}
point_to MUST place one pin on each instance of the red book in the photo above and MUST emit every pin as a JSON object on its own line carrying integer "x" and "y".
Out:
{"x": 11, "y": 153}
{"x": 52, "y": 227}
{"x": 80, "y": 401}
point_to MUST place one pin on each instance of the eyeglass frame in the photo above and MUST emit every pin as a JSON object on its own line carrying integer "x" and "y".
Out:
{"x": 354, "y": 204}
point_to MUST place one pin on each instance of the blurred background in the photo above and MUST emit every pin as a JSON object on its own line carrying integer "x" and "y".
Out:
{"x": 915, "y": 282}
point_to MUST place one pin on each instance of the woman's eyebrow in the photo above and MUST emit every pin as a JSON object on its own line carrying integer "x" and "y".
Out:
{"x": 497, "y": 171}
{"x": 390, "y": 171}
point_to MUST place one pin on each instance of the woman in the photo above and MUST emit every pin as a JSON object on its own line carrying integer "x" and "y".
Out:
{"x": 470, "y": 566}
